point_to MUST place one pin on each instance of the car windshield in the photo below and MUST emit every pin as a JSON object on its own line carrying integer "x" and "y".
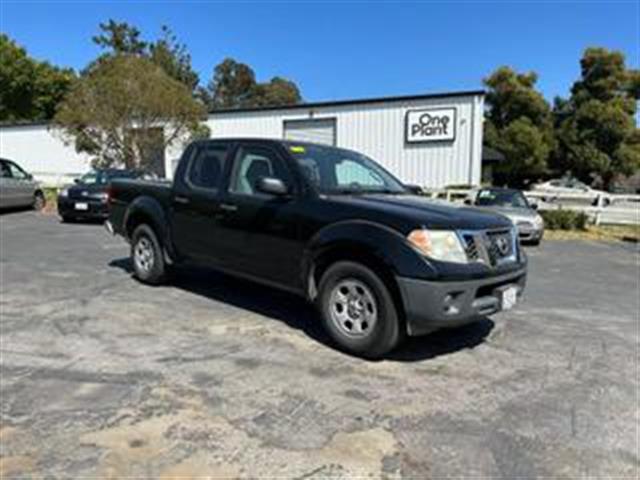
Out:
{"x": 102, "y": 177}
{"x": 501, "y": 198}
{"x": 336, "y": 171}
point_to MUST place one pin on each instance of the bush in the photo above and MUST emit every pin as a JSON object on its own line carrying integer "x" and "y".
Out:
{"x": 564, "y": 220}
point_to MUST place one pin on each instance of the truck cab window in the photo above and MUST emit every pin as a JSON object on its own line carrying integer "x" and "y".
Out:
{"x": 250, "y": 165}
{"x": 206, "y": 167}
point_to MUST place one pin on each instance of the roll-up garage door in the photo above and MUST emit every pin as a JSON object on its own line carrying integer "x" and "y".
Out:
{"x": 314, "y": 130}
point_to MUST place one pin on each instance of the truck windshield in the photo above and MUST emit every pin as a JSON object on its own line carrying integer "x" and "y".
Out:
{"x": 336, "y": 171}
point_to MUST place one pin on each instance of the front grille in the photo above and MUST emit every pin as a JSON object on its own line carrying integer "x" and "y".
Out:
{"x": 491, "y": 247}
{"x": 470, "y": 247}
{"x": 499, "y": 245}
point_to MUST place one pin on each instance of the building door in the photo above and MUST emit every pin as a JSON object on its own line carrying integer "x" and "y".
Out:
{"x": 322, "y": 130}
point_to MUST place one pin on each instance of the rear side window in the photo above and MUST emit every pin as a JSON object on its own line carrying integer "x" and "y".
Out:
{"x": 4, "y": 170}
{"x": 207, "y": 165}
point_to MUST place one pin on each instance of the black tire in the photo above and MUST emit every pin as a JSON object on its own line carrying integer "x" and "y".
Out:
{"x": 67, "y": 219}
{"x": 145, "y": 245}
{"x": 385, "y": 333}
{"x": 39, "y": 201}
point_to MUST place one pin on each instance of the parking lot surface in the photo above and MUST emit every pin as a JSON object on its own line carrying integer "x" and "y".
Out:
{"x": 102, "y": 376}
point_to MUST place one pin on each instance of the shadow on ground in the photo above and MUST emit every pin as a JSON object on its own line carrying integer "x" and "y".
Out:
{"x": 297, "y": 313}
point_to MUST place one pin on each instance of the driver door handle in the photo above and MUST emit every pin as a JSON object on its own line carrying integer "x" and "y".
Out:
{"x": 228, "y": 207}
{"x": 180, "y": 199}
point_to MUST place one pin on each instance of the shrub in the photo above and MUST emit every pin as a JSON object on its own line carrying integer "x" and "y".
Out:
{"x": 564, "y": 220}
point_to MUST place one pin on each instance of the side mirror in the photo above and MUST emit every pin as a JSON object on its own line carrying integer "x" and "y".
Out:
{"x": 76, "y": 181}
{"x": 272, "y": 186}
{"x": 533, "y": 205}
{"x": 415, "y": 189}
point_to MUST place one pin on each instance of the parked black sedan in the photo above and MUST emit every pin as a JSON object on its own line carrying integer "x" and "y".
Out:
{"x": 87, "y": 199}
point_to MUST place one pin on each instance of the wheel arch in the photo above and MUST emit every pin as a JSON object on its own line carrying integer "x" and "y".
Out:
{"x": 377, "y": 247}
{"x": 147, "y": 210}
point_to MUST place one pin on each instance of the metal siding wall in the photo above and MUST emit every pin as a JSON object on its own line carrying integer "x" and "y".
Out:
{"x": 41, "y": 152}
{"x": 378, "y": 131}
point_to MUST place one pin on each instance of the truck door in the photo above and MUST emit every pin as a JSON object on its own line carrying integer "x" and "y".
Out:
{"x": 195, "y": 203}
{"x": 261, "y": 229}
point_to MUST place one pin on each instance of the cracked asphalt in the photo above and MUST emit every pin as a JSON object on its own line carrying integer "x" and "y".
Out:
{"x": 103, "y": 377}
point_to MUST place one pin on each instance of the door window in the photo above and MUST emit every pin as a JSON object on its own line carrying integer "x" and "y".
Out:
{"x": 16, "y": 172}
{"x": 252, "y": 164}
{"x": 4, "y": 170}
{"x": 206, "y": 166}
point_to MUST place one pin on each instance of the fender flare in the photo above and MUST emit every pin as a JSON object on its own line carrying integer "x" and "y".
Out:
{"x": 385, "y": 244}
{"x": 149, "y": 208}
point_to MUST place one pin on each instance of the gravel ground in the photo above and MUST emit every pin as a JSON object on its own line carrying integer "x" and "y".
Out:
{"x": 104, "y": 377}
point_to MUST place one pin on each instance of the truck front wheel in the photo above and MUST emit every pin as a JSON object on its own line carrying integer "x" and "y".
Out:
{"x": 358, "y": 311}
{"x": 147, "y": 256}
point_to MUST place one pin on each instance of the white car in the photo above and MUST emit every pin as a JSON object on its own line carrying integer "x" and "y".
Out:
{"x": 560, "y": 186}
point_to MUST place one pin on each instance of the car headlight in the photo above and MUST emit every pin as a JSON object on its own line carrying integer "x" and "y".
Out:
{"x": 538, "y": 221}
{"x": 103, "y": 196}
{"x": 64, "y": 192}
{"x": 443, "y": 245}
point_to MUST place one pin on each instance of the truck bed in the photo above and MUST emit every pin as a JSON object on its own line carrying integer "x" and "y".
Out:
{"x": 125, "y": 191}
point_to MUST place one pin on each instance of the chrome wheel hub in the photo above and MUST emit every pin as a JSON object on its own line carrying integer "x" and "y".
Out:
{"x": 353, "y": 308}
{"x": 143, "y": 255}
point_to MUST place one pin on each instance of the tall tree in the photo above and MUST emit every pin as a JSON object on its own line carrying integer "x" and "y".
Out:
{"x": 29, "y": 90}
{"x": 174, "y": 58}
{"x": 126, "y": 107}
{"x": 519, "y": 124}
{"x": 234, "y": 85}
{"x": 120, "y": 37}
{"x": 167, "y": 51}
{"x": 596, "y": 130}
{"x": 278, "y": 91}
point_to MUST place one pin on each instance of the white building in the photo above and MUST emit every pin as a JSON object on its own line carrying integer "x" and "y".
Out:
{"x": 430, "y": 140}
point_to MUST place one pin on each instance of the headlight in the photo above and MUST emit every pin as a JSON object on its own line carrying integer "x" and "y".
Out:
{"x": 64, "y": 192}
{"x": 538, "y": 221}
{"x": 443, "y": 245}
{"x": 103, "y": 196}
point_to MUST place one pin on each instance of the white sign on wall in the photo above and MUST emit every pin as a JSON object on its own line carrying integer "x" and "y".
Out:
{"x": 430, "y": 125}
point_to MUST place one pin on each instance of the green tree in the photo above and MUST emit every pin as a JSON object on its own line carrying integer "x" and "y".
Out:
{"x": 126, "y": 107}
{"x": 596, "y": 130}
{"x": 29, "y": 90}
{"x": 174, "y": 58}
{"x": 120, "y": 37}
{"x": 234, "y": 85}
{"x": 519, "y": 124}
{"x": 167, "y": 52}
{"x": 278, "y": 91}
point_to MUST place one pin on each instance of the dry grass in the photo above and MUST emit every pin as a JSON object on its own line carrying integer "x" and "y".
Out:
{"x": 629, "y": 233}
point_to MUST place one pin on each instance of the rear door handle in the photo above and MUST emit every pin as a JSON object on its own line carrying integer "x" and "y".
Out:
{"x": 228, "y": 207}
{"x": 183, "y": 200}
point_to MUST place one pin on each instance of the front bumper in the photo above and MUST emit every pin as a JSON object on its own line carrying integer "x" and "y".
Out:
{"x": 530, "y": 234}
{"x": 432, "y": 305}
{"x": 96, "y": 209}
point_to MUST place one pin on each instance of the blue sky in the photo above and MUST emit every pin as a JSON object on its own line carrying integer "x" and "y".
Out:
{"x": 337, "y": 50}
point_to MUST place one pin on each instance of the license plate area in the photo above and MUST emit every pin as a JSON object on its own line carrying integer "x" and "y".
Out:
{"x": 82, "y": 206}
{"x": 508, "y": 296}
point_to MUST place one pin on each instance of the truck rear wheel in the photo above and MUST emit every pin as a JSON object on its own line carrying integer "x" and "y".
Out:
{"x": 147, "y": 256}
{"x": 358, "y": 311}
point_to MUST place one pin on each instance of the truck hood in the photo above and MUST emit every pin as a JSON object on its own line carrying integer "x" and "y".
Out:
{"x": 427, "y": 212}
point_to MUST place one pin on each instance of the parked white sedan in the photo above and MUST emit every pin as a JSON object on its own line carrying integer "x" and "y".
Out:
{"x": 563, "y": 186}
{"x": 18, "y": 188}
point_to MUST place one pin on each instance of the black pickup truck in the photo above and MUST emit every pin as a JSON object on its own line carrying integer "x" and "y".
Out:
{"x": 379, "y": 261}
